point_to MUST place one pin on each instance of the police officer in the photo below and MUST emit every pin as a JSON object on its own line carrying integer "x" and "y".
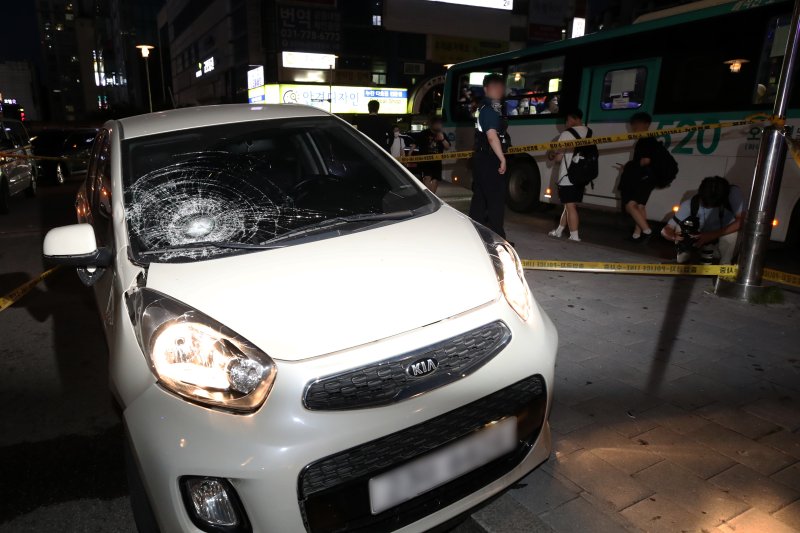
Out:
{"x": 489, "y": 161}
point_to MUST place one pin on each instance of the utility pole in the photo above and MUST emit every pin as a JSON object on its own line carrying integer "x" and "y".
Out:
{"x": 766, "y": 183}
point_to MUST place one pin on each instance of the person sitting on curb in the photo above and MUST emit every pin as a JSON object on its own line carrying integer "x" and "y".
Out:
{"x": 636, "y": 183}
{"x": 709, "y": 221}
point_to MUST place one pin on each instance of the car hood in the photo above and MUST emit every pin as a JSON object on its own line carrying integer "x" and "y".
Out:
{"x": 320, "y": 297}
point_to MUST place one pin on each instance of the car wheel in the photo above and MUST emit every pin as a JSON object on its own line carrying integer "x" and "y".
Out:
{"x": 30, "y": 192}
{"x": 5, "y": 196}
{"x": 60, "y": 174}
{"x": 140, "y": 505}
{"x": 524, "y": 186}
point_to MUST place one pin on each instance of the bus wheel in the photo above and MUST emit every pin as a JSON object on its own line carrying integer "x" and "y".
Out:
{"x": 524, "y": 186}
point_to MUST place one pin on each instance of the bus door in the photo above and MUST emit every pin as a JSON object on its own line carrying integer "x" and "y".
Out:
{"x": 610, "y": 94}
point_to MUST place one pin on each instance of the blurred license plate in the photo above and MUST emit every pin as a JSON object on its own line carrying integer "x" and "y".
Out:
{"x": 443, "y": 465}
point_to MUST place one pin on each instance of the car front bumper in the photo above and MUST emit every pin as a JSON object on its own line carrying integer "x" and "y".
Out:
{"x": 265, "y": 455}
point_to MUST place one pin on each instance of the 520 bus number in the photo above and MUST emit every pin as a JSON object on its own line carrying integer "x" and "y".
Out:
{"x": 704, "y": 141}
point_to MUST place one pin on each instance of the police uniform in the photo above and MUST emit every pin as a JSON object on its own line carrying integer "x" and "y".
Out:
{"x": 488, "y": 185}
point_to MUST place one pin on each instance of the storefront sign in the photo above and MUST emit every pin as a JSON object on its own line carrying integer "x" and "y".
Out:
{"x": 493, "y": 4}
{"x": 345, "y": 99}
{"x": 309, "y": 29}
{"x": 445, "y": 50}
{"x": 255, "y": 77}
{"x": 204, "y": 67}
{"x": 308, "y": 60}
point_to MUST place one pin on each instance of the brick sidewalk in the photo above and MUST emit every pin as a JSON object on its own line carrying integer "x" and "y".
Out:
{"x": 674, "y": 410}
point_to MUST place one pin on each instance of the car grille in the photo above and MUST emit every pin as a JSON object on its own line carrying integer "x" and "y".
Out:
{"x": 388, "y": 382}
{"x": 334, "y": 492}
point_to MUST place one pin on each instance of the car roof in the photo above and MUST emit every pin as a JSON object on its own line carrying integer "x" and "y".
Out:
{"x": 212, "y": 115}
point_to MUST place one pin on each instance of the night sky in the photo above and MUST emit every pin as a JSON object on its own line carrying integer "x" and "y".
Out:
{"x": 19, "y": 38}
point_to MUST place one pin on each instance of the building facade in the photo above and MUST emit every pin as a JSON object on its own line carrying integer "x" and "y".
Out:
{"x": 399, "y": 45}
{"x": 18, "y": 89}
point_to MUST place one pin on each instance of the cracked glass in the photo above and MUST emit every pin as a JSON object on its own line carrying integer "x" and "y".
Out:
{"x": 234, "y": 188}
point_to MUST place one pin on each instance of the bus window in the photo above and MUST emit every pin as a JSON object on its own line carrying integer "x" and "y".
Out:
{"x": 769, "y": 67}
{"x": 534, "y": 88}
{"x": 623, "y": 88}
{"x": 470, "y": 94}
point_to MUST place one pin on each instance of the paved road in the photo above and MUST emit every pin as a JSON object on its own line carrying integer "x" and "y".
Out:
{"x": 59, "y": 436}
{"x": 674, "y": 410}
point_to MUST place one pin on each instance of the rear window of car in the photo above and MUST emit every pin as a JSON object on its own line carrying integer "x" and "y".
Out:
{"x": 253, "y": 182}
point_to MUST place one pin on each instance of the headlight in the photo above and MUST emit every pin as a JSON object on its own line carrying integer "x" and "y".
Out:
{"x": 509, "y": 272}
{"x": 198, "y": 358}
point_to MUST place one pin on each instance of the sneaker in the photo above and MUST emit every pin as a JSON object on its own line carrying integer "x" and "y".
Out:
{"x": 554, "y": 234}
{"x": 641, "y": 239}
{"x": 574, "y": 239}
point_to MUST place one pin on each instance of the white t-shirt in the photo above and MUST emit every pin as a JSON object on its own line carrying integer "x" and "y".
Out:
{"x": 398, "y": 147}
{"x": 563, "y": 180}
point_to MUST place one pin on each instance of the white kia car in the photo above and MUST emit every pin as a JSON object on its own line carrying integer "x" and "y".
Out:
{"x": 301, "y": 336}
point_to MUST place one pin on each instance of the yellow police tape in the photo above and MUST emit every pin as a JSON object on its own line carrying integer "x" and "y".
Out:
{"x": 778, "y": 122}
{"x": 14, "y": 296}
{"x": 40, "y": 157}
{"x": 655, "y": 269}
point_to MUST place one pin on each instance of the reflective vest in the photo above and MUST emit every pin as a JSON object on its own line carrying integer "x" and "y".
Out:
{"x": 482, "y": 140}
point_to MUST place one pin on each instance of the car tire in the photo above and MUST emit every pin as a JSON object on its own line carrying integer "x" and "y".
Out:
{"x": 60, "y": 174}
{"x": 140, "y": 504}
{"x": 30, "y": 192}
{"x": 524, "y": 185}
{"x": 5, "y": 196}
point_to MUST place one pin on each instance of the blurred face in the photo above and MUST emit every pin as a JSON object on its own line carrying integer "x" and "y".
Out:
{"x": 495, "y": 90}
{"x": 639, "y": 125}
{"x": 436, "y": 125}
{"x": 571, "y": 121}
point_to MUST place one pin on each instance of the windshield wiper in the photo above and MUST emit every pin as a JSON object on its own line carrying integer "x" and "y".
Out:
{"x": 339, "y": 221}
{"x": 209, "y": 244}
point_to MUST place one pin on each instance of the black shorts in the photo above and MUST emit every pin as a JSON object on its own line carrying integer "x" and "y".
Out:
{"x": 432, "y": 169}
{"x": 638, "y": 192}
{"x": 570, "y": 194}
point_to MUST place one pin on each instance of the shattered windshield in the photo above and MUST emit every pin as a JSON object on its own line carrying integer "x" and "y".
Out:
{"x": 220, "y": 190}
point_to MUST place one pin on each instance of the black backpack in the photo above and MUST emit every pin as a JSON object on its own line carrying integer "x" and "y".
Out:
{"x": 585, "y": 170}
{"x": 663, "y": 167}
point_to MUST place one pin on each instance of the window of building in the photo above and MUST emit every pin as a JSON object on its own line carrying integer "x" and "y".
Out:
{"x": 378, "y": 78}
{"x": 534, "y": 87}
{"x": 624, "y": 88}
{"x": 377, "y": 20}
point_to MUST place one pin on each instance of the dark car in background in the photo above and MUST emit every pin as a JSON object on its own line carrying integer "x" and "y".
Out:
{"x": 73, "y": 145}
{"x": 17, "y": 171}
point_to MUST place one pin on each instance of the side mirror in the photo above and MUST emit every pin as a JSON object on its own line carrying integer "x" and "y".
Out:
{"x": 75, "y": 245}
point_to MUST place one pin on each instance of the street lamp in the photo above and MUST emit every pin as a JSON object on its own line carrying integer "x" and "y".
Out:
{"x": 145, "y": 48}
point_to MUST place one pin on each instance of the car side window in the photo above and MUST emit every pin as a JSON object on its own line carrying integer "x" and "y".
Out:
{"x": 12, "y": 132}
{"x": 6, "y": 141}
{"x": 92, "y": 168}
{"x": 21, "y": 133}
{"x": 101, "y": 193}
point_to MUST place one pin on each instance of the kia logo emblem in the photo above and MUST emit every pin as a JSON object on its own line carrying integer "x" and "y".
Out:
{"x": 423, "y": 367}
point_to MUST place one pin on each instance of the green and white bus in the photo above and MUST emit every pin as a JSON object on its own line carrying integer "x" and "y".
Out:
{"x": 705, "y": 62}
